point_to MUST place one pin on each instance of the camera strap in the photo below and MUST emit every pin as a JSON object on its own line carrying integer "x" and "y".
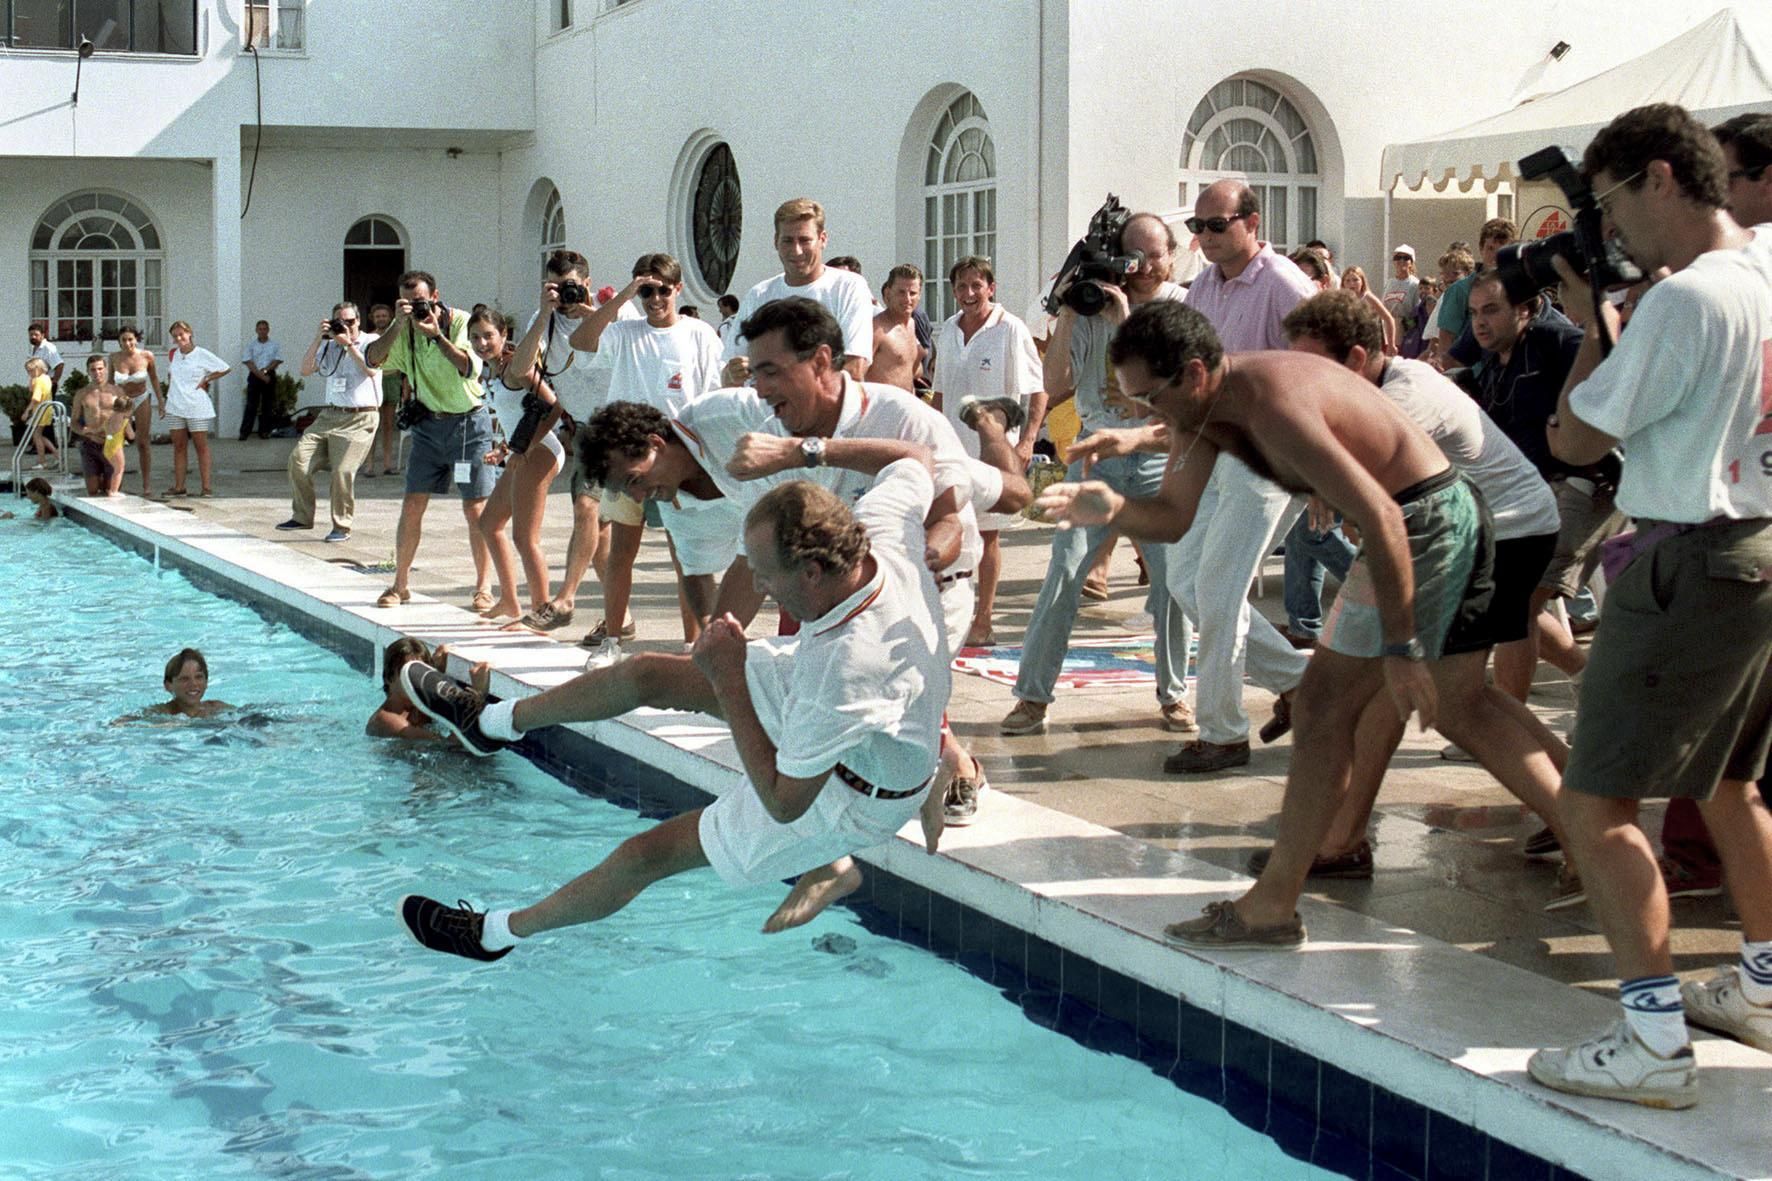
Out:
{"x": 547, "y": 350}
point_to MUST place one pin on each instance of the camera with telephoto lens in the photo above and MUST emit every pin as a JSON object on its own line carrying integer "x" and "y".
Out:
{"x": 1525, "y": 268}
{"x": 572, "y": 292}
{"x": 421, "y": 308}
{"x": 1096, "y": 259}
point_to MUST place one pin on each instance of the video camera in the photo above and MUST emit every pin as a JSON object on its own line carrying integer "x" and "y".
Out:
{"x": 1095, "y": 259}
{"x": 1525, "y": 268}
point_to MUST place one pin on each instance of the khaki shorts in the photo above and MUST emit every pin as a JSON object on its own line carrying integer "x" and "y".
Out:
{"x": 621, "y": 509}
{"x": 1676, "y": 695}
{"x": 1587, "y": 520}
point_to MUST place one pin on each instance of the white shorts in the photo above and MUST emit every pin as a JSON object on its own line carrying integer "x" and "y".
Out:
{"x": 958, "y": 599}
{"x": 705, "y": 535}
{"x": 197, "y": 426}
{"x": 745, "y": 845}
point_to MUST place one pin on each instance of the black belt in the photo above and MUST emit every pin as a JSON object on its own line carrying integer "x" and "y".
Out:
{"x": 950, "y": 579}
{"x": 855, "y": 781}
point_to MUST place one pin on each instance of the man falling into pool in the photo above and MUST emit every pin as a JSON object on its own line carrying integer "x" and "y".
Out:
{"x": 864, "y": 685}
{"x": 1413, "y": 608}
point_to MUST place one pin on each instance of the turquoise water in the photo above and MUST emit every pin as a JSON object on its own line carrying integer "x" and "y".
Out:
{"x": 205, "y": 979}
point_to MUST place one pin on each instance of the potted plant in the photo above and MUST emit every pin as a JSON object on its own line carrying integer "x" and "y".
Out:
{"x": 13, "y": 400}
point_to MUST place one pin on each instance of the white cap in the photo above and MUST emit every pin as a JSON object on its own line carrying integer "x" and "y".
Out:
{"x": 1404, "y": 249}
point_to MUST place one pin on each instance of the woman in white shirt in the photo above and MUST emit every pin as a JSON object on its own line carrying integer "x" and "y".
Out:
{"x": 525, "y": 411}
{"x": 186, "y": 405}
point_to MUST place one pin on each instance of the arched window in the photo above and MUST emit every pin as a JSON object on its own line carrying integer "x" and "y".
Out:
{"x": 553, "y": 225}
{"x": 959, "y": 198}
{"x": 374, "y": 258}
{"x": 716, "y": 218}
{"x": 96, "y": 264}
{"x": 1247, "y": 129}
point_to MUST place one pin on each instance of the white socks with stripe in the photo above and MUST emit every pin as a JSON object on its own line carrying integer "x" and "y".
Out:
{"x": 1653, "y": 1009}
{"x": 1756, "y": 972}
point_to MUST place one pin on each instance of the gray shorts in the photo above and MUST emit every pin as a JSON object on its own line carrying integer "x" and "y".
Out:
{"x": 1676, "y": 695}
{"x": 443, "y": 440}
{"x": 1587, "y": 520}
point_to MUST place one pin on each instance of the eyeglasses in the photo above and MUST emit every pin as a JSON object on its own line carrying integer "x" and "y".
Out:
{"x": 1600, "y": 198}
{"x": 1217, "y": 225}
{"x": 648, "y": 291}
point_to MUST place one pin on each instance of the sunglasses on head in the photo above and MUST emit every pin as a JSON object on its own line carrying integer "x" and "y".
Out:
{"x": 1217, "y": 225}
{"x": 648, "y": 291}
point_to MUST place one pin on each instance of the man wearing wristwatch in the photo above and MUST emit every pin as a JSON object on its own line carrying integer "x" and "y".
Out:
{"x": 1412, "y": 613}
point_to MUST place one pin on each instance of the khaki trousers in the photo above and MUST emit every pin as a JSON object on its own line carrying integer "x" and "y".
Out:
{"x": 340, "y": 440}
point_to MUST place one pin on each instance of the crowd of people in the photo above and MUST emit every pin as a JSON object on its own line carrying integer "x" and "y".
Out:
{"x": 1460, "y": 452}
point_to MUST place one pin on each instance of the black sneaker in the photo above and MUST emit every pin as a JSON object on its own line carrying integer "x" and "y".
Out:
{"x": 291, "y": 525}
{"x": 450, "y": 704}
{"x": 961, "y": 802}
{"x": 1542, "y": 844}
{"x": 454, "y": 929}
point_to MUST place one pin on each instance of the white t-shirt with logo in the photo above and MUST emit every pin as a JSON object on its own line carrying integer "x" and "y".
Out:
{"x": 1688, "y": 391}
{"x": 664, "y": 368}
{"x": 1520, "y": 501}
{"x": 349, "y": 386}
{"x": 844, "y": 294}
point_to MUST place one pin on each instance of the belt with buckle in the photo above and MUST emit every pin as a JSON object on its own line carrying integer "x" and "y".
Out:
{"x": 851, "y": 779}
{"x": 950, "y": 579}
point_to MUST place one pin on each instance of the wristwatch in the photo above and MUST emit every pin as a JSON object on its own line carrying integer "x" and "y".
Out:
{"x": 812, "y": 452}
{"x": 1409, "y": 649}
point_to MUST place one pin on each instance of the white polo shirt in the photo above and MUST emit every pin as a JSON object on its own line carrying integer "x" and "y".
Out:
{"x": 349, "y": 386}
{"x": 843, "y": 293}
{"x": 1000, "y": 361}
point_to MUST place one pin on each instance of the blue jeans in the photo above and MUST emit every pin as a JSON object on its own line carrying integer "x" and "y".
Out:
{"x": 1073, "y": 552}
{"x": 1308, "y": 553}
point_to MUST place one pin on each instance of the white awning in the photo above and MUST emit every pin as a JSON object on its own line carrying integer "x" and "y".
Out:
{"x": 1715, "y": 70}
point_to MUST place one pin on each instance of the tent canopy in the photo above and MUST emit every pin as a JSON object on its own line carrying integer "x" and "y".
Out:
{"x": 1715, "y": 70}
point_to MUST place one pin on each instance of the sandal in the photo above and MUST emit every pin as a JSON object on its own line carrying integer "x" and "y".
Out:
{"x": 481, "y": 602}
{"x": 393, "y": 597}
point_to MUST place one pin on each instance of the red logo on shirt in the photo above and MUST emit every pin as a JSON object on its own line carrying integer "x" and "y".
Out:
{"x": 1765, "y": 427}
{"x": 676, "y": 382}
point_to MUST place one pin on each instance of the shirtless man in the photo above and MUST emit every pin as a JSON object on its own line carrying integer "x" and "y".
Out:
{"x": 1410, "y": 606}
{"x": 88, "y": 415}
{"x": 898, "y": 354}
{"x": 846, "y": 774}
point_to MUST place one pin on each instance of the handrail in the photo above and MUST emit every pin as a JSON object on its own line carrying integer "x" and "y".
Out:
{"x": 60, "y": 426}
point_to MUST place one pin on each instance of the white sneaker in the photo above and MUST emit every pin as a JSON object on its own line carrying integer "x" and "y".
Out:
{"x": 604, "y": 655}
{"x": 1615, "y": 1065}
{"x": 1718, "y": 1004}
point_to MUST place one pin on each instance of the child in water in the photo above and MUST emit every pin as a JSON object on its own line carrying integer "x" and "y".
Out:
{"x": 187, "y": 679}
{"x": 37, "y": 491}
{"x": 396, "y": 716}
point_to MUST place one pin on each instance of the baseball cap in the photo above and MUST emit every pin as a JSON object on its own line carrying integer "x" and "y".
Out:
{"x": 1404, "y": 249}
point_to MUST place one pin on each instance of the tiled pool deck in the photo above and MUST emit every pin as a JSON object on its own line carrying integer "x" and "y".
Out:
{"x": 1394, "y": 1045}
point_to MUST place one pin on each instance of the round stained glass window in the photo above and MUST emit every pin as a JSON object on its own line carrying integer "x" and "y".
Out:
{"x": 717, "y": 218}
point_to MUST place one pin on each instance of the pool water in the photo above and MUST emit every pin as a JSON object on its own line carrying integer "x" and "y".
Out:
{"x": 205, "y": 977}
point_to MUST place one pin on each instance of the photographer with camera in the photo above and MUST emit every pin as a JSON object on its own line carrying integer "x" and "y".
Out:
{"x": 450, "y": 426}
{"x": 1677, "y": 701}
{"x": 343, "y": 435}
{"x": 1123, "y": 261}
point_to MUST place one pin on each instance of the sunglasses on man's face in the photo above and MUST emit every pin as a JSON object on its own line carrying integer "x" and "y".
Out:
{"x": 648, "y": 291}
{"x": 1217, "y": 225}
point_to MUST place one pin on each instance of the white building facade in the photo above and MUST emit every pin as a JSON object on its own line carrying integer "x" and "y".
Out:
{"x": 196, "y": 180}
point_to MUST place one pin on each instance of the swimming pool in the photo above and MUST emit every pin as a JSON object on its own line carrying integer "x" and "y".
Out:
{"x": 207, "y": 979}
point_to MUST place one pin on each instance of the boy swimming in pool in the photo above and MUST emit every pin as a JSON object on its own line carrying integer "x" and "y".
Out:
{"x": 187, "y": 679}
{"x": 39, "y": 493}
{"x": 396, "y": 716}
{"x": 863, "y": 684}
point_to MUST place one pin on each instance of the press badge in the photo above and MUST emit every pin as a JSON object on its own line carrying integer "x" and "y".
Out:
{"x": 336, "y": 388}
{"x": 464, "y": 472}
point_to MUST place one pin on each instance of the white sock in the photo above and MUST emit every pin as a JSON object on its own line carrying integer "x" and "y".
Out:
{"x": 496, "y": 934}
{"x": 1656, "y": 1015}
{"x": 499, "y": 720}
{"x": 1756, "y": 972}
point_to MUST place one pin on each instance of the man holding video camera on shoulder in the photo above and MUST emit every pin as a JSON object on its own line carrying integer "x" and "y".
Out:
{"x": 450, "y": 426}
{"x": 1677, "y": 701}
{"x": 343, "y": 435}
{"x": 1122, "y": 262}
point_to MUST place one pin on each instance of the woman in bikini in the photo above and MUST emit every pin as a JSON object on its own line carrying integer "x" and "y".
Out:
{"x": 133, "y": 372}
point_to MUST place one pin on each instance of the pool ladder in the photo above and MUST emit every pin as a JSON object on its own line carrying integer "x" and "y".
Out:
{"x": 60, "y": 427}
